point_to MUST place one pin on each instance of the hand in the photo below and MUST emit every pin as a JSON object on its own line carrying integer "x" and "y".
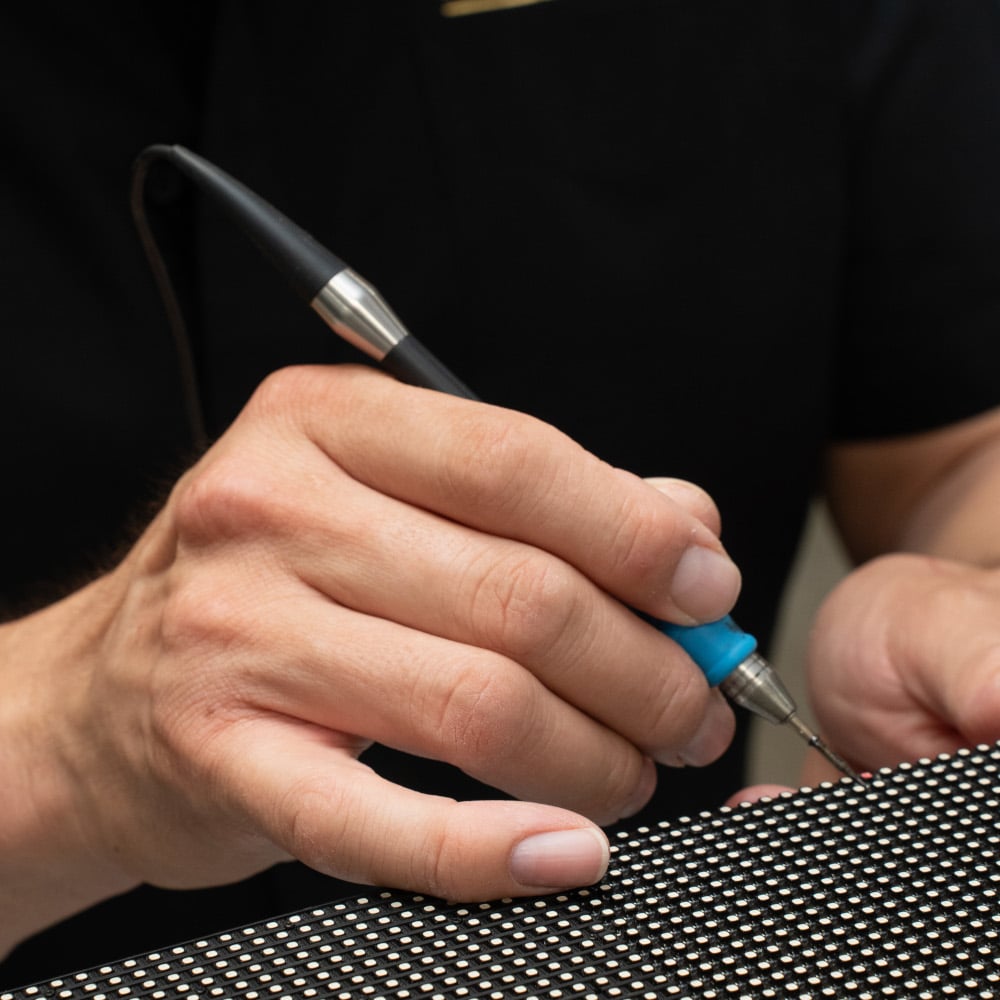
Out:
{"x": 359, "y": 561}
{"x": 904, "y": 662}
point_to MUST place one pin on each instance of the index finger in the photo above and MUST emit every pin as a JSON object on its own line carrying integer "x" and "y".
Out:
{"x": 513, "y": 476}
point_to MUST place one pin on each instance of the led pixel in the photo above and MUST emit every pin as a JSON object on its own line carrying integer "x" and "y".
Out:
{"x": 877, "y": 890}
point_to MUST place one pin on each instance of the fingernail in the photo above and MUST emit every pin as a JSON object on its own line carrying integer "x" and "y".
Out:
{"x": 562, "y": 859}
{"x": 713, "y": 736}
{"x": 706, "y": 584}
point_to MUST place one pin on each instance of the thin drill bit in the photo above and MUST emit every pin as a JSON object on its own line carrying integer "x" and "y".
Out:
{"x": 755, "y": 685}
{"x": 814, "y": 740}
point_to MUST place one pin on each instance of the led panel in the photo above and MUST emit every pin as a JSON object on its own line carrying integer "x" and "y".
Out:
{"x": 887, "y": 889}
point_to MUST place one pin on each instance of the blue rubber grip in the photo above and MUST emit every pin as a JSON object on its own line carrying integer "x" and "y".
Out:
{"x": 718, "y": 647}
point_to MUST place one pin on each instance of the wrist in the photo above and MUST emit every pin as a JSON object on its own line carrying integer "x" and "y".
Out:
{"x": 52, "y": 860}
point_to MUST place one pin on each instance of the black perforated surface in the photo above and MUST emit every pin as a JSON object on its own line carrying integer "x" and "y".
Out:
{"x": 882, "y": 890}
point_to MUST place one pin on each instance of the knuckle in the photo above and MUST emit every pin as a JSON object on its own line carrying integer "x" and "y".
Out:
{"x": 672, "y": 719}
{"x": 502, "y": 460}
{"x": 692, "y": 498}
{"x": 700, "y": 504}
{"x": 314, "y": 825}
{"x": 435, "y": 860}
{"x": 973, "y": 694}
{"x": 290, "y": 390}
{"x": 482, "y": 714}
{"x": 303, "y": 396}
{"x": 197, "y": 615}
{"x": 525, "y": 603}
{"x": 225, "y": 499}
{"x": 438, "y": 865}
{"x": 448, "y": 866}
{"x": 647, "y": 539}
{"x": 620, "y": 774}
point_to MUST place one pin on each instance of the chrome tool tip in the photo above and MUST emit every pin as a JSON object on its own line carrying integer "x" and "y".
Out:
{"x": 814, "y": 740}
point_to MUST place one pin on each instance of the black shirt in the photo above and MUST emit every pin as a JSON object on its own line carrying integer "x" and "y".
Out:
{"x": 704, "y": 237}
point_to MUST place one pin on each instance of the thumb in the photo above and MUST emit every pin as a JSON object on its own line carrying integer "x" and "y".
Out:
{"x": 329, "y": 810}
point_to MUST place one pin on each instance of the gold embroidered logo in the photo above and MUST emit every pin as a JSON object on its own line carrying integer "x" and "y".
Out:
{"x": 462, "y": 8}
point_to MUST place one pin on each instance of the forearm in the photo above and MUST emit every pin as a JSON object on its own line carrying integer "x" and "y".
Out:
{"x": 960, "y": 517}
{"x": 49, "y": 865}
{"x": 936, "y": 493}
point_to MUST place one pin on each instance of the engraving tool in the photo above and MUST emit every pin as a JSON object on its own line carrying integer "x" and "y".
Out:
{"x": 357, "y": 312}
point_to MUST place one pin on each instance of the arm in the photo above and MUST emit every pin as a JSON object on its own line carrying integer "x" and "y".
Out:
{"x": 934, "y": 493}
{"x": 903, "y": 651}
{"x": 904, "y": 654}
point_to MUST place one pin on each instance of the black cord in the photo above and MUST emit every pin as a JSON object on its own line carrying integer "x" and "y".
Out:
{"x": 193, "y": 409}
